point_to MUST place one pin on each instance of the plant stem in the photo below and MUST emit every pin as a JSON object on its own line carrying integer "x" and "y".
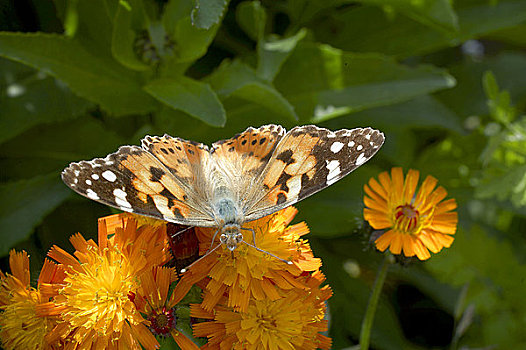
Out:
{"x": 368, "y": 319}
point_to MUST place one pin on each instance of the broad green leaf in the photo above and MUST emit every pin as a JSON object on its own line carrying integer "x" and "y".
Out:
{"x": 273, "y": 53}
{"x": 124, "y": 36}
{"x": 403, "y": 37}
{"x": 96, "y": 79}
{"x": 420, "y": 112}
{"x": 331, "y": 83}
{"x": 24, "y": 204}
{"x": 206, "y": 13}
{"x": 30, "y": 98}
{"x": 434, "y": 13}
{"x": 251, "y": 17}
{"x": 190, "y": 42}
{"x": 514, "y": 35}
{"x": 49, "y": 148}
{"x": 496, "y": 296}
{"x": 190, "y": 96}
{"x": 239, "y": 80}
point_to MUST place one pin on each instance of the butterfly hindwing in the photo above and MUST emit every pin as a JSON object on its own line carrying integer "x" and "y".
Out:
{"x": 307, "y": 160}
{"x": 133, "y": 180}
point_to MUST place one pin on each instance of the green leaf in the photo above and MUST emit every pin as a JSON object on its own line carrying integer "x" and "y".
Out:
{"x": 403, "y": 37}
{"x": 323, "y": 83}
{"x": 434, "y": 13}
{"x": 208, "y": 12}
{"x": 50, "y": 147}
{"x": 190, "y": 42}
{"x": 468, "y": 98}
{"x": 190, "y": 96}
{"x": 96, "y": 79}
{"x": 123, "y": 38}
{"x": 272, "y": 54}
{"x": 30, "y": 98}
{"x": 239, "y": 80}
{"x": 251, "y": 17}
{"x": 420, "y": 112}
{"x": 24, "y": 204}
{"x": 498, "y": 299}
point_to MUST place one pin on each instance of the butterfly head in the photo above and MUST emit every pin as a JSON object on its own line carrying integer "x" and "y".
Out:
{"x": 231, "y": 236}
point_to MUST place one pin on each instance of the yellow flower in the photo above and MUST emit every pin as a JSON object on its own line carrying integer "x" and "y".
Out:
{"x": 21, "y": 326}
{"x": 247, "y": 273}
{"x": 152, "y": 300}
{"x": 95, "y": 302}
{"x": 292, "y": 322}
{"x": 417, "y": 223}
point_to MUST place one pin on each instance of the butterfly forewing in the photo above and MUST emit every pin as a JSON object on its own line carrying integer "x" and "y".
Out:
{"x": 307, "y": 160}
{"x": 133, "y": 180}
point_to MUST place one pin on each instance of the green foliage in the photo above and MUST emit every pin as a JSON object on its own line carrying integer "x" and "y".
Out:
{"x": 443, "y": 80}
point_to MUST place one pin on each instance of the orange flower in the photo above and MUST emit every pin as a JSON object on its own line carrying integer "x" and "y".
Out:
{"x": 292, "y": 322}
{"x": 417, "y": 223}
{"x": 247, "y": 273}
{"x": 21, "y": 325}
{"x": 152, "y": 300}
{"x": 95, "y": 303}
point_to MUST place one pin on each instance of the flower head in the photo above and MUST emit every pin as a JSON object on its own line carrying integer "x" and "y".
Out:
{"x": 21, "y": 325}
{"x": 415, "y": 223}
{"x": 248, "y": 273}
{"x": 292, "y": 322}
{"x": 152, "y": 300}
{"x": 95, "y": 302}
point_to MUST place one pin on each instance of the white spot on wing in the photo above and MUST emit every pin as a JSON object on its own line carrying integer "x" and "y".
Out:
{"x": 109, "y": 175}
{"x": 368, "y": 136}
{"x": 120, "y": 198}
{"x": 88, "y": 182}
{"x": 351, "y": 143}
{"x": 334, "y": 170}
{"x": 94, "y": 176}
{"x": 76, "y": 172}
{"x": 361, "y": 159}
{"x": 91, "y": 194}
{"x": 336, "y": 147}
{"x": 359, "y": 148}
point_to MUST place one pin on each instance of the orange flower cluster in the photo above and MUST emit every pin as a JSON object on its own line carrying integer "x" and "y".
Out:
{"x": 118, "y": 293}
{"x": 252, "y": 300}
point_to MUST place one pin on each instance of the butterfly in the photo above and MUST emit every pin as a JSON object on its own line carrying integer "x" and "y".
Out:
{"x": 253, "y": 174}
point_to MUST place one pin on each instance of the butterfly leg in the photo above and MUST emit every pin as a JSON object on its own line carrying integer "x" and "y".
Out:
{"x": 206, "y": 254}
{"x": 213, "y": 239}
{"x": 253, "y": 234}
{"x": 264, "y": 251}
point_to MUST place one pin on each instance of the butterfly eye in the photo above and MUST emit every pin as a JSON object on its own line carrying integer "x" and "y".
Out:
{"x": 223, "y": 238}
{"x": 239, "y": 237}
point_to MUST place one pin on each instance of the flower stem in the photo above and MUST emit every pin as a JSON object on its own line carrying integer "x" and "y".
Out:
{"x": 368, "y": 319}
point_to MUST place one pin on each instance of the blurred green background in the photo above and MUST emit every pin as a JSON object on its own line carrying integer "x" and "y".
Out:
{"x": 445, "y": 82}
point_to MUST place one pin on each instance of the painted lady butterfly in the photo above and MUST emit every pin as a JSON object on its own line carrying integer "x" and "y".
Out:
{"x": 249, "y": 176}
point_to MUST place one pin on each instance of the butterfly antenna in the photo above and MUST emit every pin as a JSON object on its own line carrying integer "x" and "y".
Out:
{"x": 264, "y": 251}
{"x": 202, "y": 257}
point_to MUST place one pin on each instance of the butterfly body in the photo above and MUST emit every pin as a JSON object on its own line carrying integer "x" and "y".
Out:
{"x": 237, "y": 180}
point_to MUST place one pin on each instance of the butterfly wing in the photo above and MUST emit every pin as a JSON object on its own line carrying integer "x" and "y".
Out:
{"x": 307, "y": 160}
{"x": 134, "y": 180}
{"x": 242, "y": 158}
